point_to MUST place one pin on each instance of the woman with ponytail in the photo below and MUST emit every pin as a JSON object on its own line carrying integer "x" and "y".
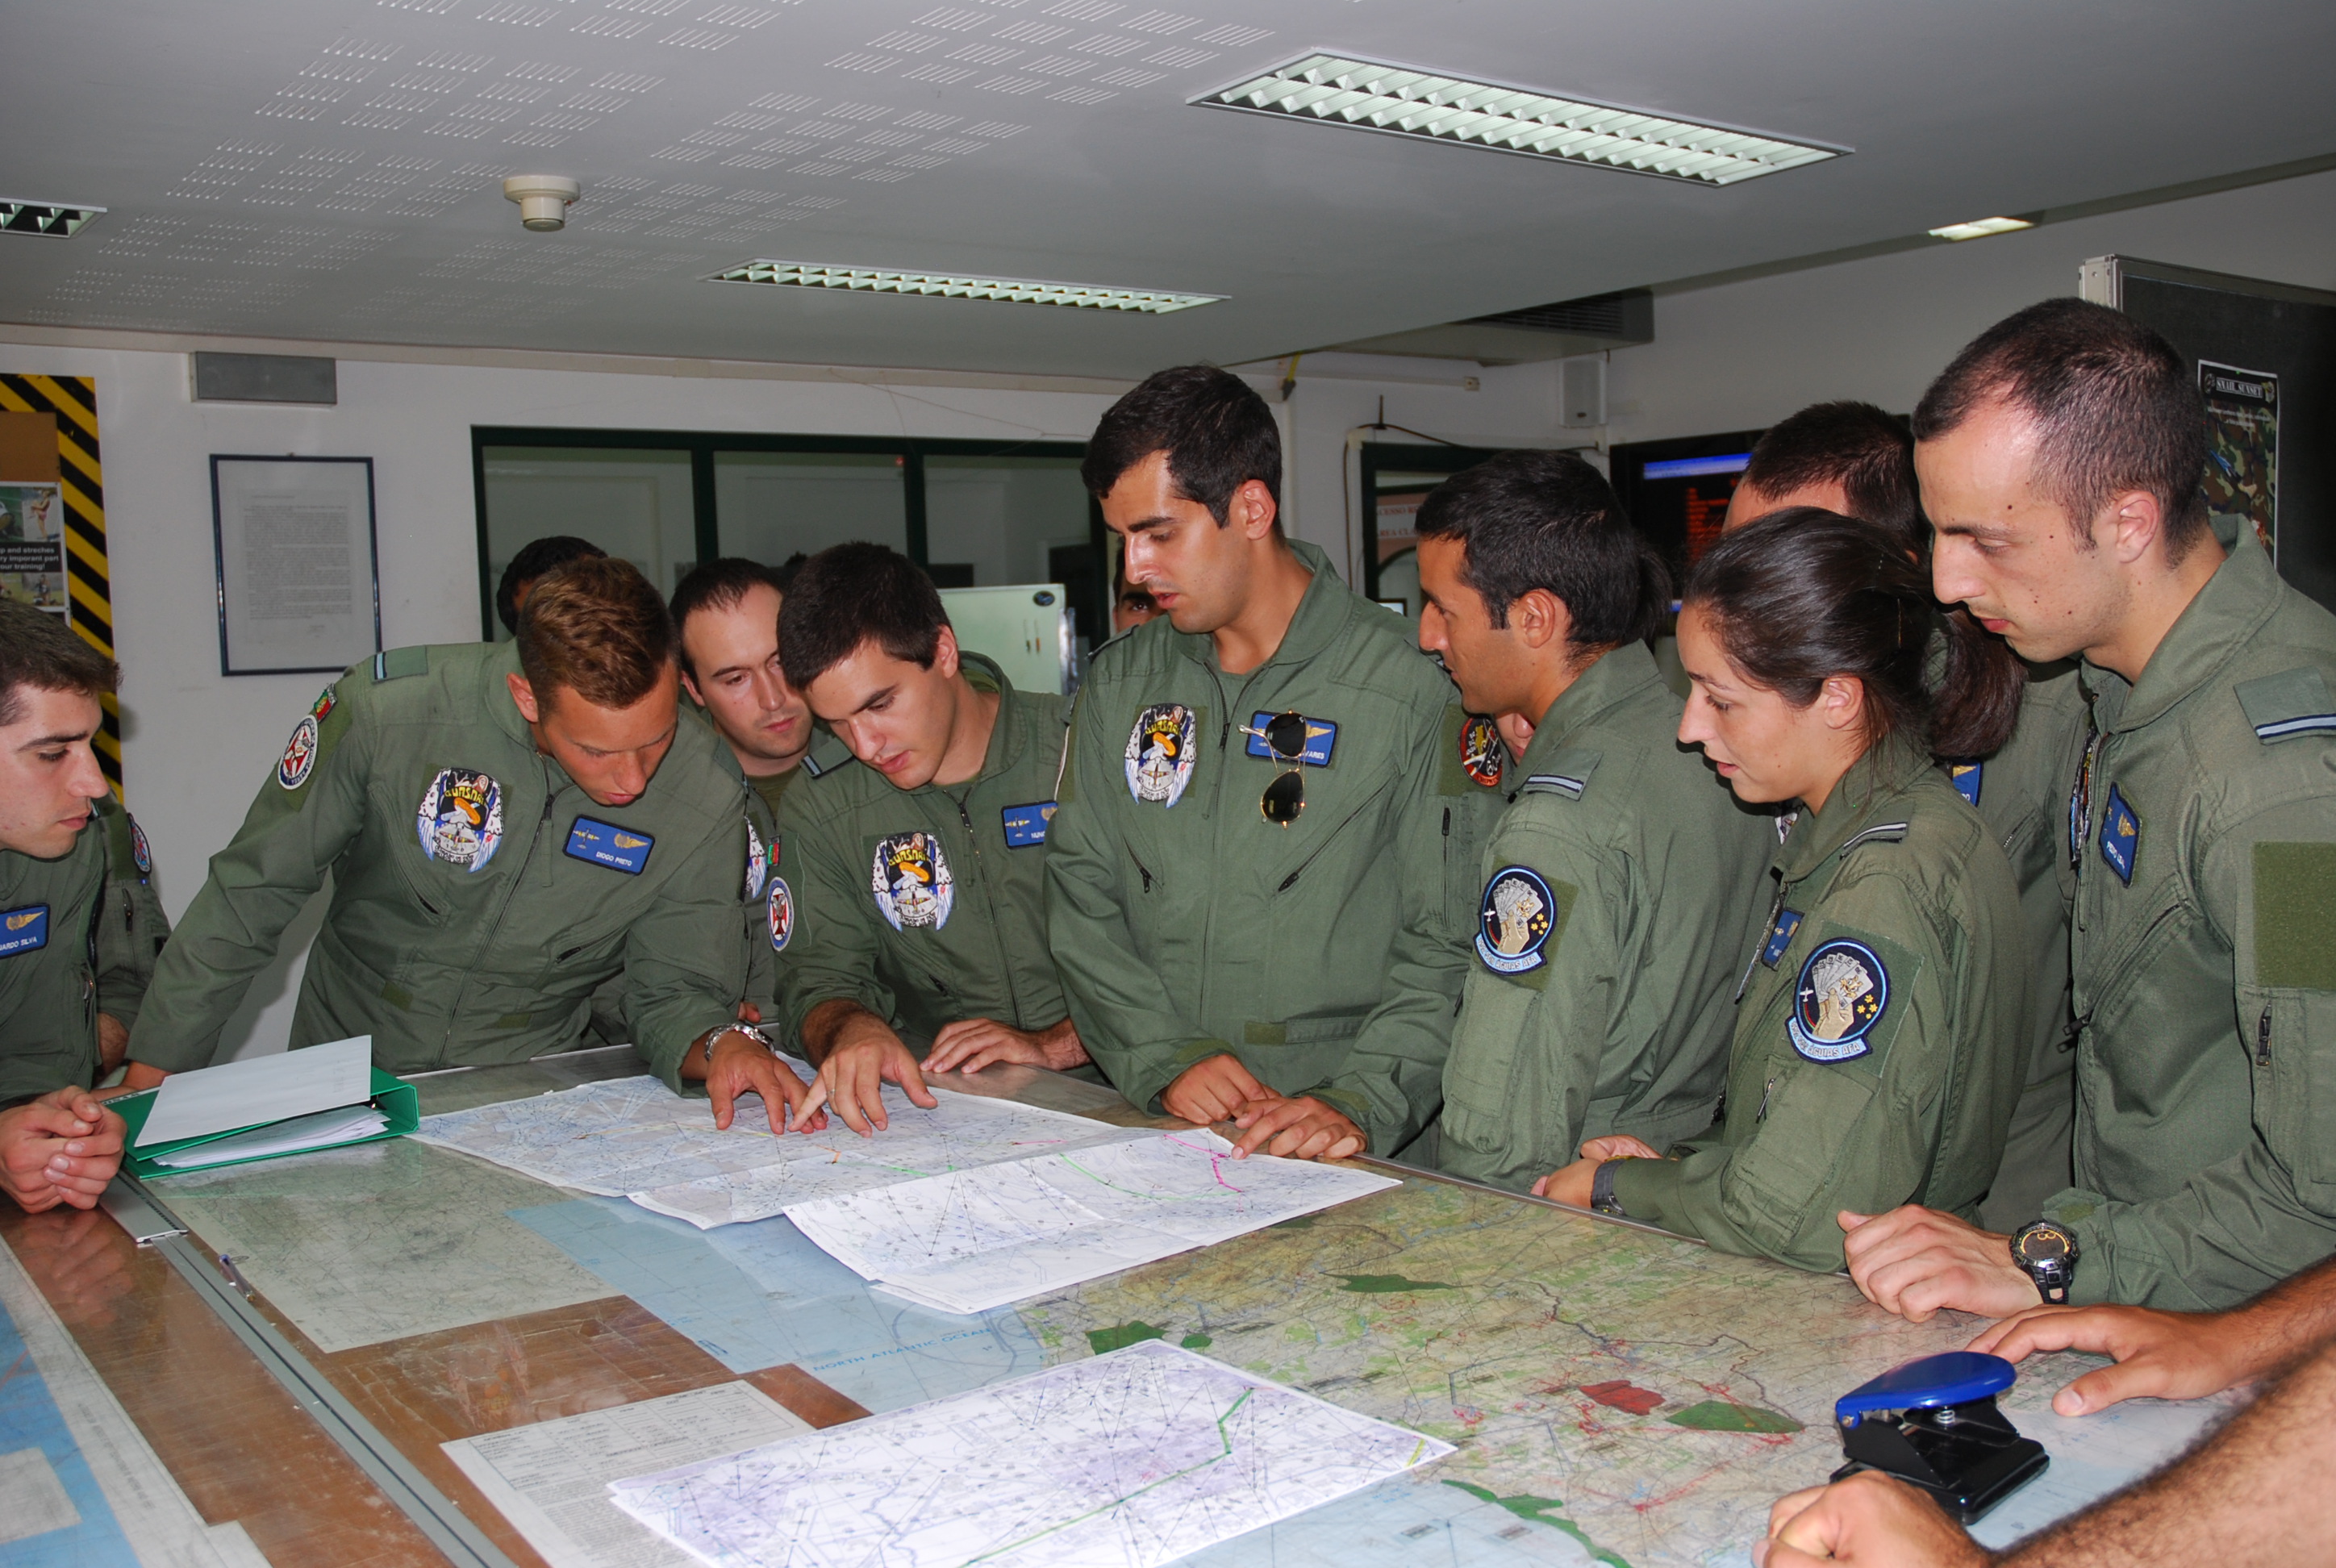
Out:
{"x": 1881, "y": 1025}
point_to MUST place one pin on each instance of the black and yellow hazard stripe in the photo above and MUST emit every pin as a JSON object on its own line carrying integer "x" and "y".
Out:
{"x": 88, "y": 582}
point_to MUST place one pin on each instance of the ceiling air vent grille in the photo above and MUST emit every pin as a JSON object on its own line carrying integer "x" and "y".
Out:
{"x": 61, "y": 218}
{"x": 1627, "y": 317}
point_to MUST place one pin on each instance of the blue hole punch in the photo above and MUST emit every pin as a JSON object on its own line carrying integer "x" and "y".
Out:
{"x": 1933, "y": 1423}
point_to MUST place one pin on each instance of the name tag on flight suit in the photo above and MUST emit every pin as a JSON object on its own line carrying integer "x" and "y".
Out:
{"x": 1780, "y": 936}
{"x": 1026, "y": 825}
{"x": 22, "y": 930}
{"x": 1322, "y": 740}
{"x": 2120, "y": 835}
{"x": 606, "y": 844}
{"x": 1966, "y": 777}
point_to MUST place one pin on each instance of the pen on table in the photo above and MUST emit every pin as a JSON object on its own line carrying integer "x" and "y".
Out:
{"x": 234, "y": 1278}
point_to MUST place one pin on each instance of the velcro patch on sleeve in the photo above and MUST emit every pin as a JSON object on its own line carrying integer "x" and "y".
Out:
{"x": 2295, "y": 915}
{"x": 2292, "y": 703}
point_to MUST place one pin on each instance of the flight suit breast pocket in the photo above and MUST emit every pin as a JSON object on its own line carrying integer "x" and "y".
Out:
{"x": 1809, "y": 1120}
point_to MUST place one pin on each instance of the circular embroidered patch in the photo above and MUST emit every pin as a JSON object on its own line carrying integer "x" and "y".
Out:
{"x": 783, "y": 914}
{"x": 1514, "y": 922}
{"x": 1842, "y": 993}
{"x": 299, "y": 758}
{"x": 911, "y": 879}
{"x": 1160, "y": 752}
{"x": 1482, "y": 753}
{"x": 461, "y": 818}
{"x": 141, "y": 855}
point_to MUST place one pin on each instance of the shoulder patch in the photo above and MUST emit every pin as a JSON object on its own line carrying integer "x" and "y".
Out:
{"x": 1474, "y": 757}
{"x": 1567, "y": 775}
{"x": 140, "y": 854}
{"x": 1523, "y": 915}
{"x": 782, "y": 914}
{"x": 1841, "y": 994}
{"x": 827, "y": 753}
{"x": 2295, "y": 702}
{"x": 299, "y": 758}
{"x": 397, "y": 663}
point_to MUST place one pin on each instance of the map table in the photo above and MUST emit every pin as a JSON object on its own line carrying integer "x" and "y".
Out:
{"x": 1613, "y": 1394}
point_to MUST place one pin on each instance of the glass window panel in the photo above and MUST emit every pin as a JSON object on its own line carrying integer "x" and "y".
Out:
{"x": 990, "y": 522}
{"x": 771, "y": 504}
{"x": 631, "y": 504}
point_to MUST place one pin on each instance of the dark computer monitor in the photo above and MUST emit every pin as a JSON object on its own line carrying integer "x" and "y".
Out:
{"x": 1676, "y": 492}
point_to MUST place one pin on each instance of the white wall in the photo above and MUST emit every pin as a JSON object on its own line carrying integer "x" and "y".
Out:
{"x": 1744, "y": 355}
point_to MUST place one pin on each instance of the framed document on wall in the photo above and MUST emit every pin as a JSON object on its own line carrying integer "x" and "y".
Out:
{"x": 299, "y": 579}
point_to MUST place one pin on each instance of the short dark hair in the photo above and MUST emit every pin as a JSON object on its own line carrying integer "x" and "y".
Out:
{"x": 853, "y": 593}
{"x": 598, "y": 627}
{"x": 38, "y": 650}
{"x": 535, "y": 558}
{"x": 784, "y": 574}
{"x": 1216, "y": 430}
{"x": 1805, "y": 594}
{"x": 1547, "y": 520}
{"x": 716, "y": 585}
{"x": 1855, "y": 445}
{"x": 2113, "y": 404}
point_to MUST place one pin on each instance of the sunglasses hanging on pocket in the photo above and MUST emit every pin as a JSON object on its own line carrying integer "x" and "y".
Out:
{"x": 1294, "y": 742}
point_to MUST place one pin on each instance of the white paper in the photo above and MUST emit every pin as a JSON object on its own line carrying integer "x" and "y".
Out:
{"x": 972, "y": 1240}
{"x": 296, "y": 564}
{"x": 635, "y": 1137}
{"x": 259, "y": 1089}
{"x": 324, "y": 1129}
{"x": 1127, "y": 1460}
{"x": 552, "y": 1479}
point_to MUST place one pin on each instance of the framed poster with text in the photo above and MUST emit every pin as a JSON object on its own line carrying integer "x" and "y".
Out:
{"x": 299, "y": 579}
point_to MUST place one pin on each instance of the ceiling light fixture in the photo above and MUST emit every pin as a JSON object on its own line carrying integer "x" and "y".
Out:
{"x": 954, "y": 286}
{"x": 61, "y": 219}
{"x": 1402, "y": 101}
{"x": 1981, "y": 227}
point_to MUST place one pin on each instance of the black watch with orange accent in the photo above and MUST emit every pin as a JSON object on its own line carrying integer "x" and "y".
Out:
{"x": 2047, "y": 1254}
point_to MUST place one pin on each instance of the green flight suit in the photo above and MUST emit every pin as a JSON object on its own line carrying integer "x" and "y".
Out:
{"x": 2022, "y": 794}
{"x": 1883, "y": 1036}
{"x": 78, "y": 936}
{"x": 925, "y": 906}
{"x": 2204, "y": 955}
{"x": 1328, "y": 955}
{"x": 1615, "y": 892}
{"x": 479, "y": 895}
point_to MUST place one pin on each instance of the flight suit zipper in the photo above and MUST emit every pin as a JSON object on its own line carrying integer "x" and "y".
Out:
{"x": 2262, "y": 1039}
{"x": 990, "y": 898}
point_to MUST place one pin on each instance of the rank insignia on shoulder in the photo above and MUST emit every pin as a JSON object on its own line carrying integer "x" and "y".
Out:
{"x": 1965, "y": 777}
{"x": 1843, "y": 991}
{"x": 782, "y": 913}
{"x": 758, "y": 863}
{"x": 2295, "y": 702}
{"x": 22, "y": 930}
{"x": 299, "y": 758}
{"x": 1026, "y": 825}
{"x": 1780, "y": 937}
{"x": 1482, "y": 753}
{"x": 461, "y": 818}
{"x": 1514, "y": 921}
{"x": 607, "y": 844}
{"x": 1161, "y": 749}
{"x": 2120, "y": 835}
{"x": 142, "y": 854}
{"x": 911, "y": 879}
{"x": 1322, "y": 740}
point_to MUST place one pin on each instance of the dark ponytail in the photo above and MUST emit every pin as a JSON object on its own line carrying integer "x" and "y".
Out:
{"x": 1805, "y": 594}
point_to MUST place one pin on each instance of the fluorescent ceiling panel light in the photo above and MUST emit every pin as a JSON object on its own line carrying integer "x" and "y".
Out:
{"x": 1402, "y": 101}
{"x": 1981, "y": 227}
{"x": 61, "y": 218}
{"x": 952, "y": 286}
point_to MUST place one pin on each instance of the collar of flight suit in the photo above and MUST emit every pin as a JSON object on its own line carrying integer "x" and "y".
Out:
{"x": 1321, "y": 617}
{"x": 2213, "y": 630}
{"x": 1864, "y": 795}
{"x": 1006, "y": 736}
{"x": 1613, "y": 678}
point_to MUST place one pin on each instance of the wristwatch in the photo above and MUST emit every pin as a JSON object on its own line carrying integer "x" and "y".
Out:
{"x": 2047, "y": 1254}
{"x": 1601, "y": 1189}
{"x": 752, "y": 1031}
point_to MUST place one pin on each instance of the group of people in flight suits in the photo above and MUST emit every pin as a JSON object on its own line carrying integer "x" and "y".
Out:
{"x": 1939, "y": 883}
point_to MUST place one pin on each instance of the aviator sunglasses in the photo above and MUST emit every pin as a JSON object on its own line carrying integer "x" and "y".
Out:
{"x": 1285, "y": 736}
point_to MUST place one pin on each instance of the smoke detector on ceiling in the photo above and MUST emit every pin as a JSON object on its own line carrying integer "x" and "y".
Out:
{"x": 542, "y": 200}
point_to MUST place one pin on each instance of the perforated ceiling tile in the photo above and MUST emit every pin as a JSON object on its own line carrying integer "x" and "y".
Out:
{"x": 984, "y": 55}
{"x": 538, "y": 71}
{"x": 739, "y": 17}
{"x": 518, "y": 13}
{"x": 1083, "y": 10}
{"x": 613, "y": 27}
{"x": 1178, "y": 57}
{"x": 1107, "y": 45}
{"x": 1233, "y": 36}
{"x": 900, "y": 40}
{"x": 700, "y": 38}
{"x": 861, "y": 60}
{"x": 925, "y": 120}
{"x": 455, "y": 60}
{"x": 1057, "y": 66}
{"x": 950, "y": 20}
{"x": 1033, "y": 32}
{"x": 939, "y": 74}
